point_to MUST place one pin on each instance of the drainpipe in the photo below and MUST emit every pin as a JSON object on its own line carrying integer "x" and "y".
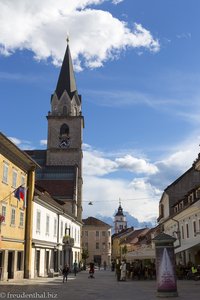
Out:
{"x": 58, "y": 236}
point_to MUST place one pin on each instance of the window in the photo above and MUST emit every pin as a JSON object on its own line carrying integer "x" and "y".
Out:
{"x": 78, "y": 233}
{"x": 21, "y": 219}
{"x": 23, "y": 180}
{"x": 97, "y": 245}
{"x": 97, "y": 233}
{"x": 4, "y": 213}
{"x": 61, "y": 229}
{"x": 161, "y": 210}
{"x": 109, "y": 246}
{"x": 86, "y": 245}
{"x": 38, "y": 220}
{"x": 103, "y": 233}
{"x": 14, "y": 178}
{"x": 187, "y": 231}
{"x": 5, "y": 172}
{"x": 182, "y": 231}
{"x": 64, "y": 130}
{"x": 194, "y": 228}
{"x": 86, "y": 233}
{"x": 104, "y": 246}
{"x": 19, "y": 260}
{"x": 72, "y": 232}
{"x": 12, "y": 222}
{"x": 55, "y": 227}
{"x": 47, "y": 224}
{"x": 108, "y": 233}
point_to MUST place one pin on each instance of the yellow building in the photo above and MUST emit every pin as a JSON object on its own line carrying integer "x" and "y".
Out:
{"x": 17, "y": 169}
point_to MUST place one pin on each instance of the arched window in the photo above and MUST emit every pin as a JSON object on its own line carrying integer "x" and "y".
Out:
{"x": 64, "y": 130}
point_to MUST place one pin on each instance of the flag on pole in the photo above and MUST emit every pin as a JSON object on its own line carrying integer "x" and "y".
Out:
{"x": 19, "y": 193}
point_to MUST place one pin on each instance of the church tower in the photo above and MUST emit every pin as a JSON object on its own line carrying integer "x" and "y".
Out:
{"x": 65, "y": 126}
{"x": 120, "y": 220}
{"x": 61, "y": 162}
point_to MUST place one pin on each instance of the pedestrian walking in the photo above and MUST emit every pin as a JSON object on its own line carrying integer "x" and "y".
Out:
{"x": 123, "y": 271}
{"x": 118, "y": 270}
{"x": 65, "y": 272}
{"x": 91, "y": 270}
{"x": 75, "y": 268}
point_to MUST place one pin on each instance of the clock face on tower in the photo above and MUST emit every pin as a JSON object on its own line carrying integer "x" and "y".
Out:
{"x": 64, "y": 142}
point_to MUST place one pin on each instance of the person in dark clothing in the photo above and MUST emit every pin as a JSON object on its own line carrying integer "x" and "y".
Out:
{"x": 118, "y": 271}
{"x": 65, "y": 272}
{"x": 91, "y": 270}
{"x": 75, "y": 268}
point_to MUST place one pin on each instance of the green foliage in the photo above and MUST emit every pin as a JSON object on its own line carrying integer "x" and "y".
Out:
{"x": 85, "y": 254}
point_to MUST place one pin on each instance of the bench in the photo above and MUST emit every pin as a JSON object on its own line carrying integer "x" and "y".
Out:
{"x": 52, "y": 273}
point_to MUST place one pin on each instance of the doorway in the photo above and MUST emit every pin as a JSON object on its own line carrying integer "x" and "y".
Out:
{"x": 10, "y": 265}
{"x": 37, "y": 263}
{"x": 47, "y": 263}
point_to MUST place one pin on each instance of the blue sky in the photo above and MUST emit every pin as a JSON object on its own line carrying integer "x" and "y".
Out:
{"x": 138, "y": 71}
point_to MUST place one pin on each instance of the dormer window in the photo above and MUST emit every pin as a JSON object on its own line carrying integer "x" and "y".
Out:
{"x": 190, "y": 198}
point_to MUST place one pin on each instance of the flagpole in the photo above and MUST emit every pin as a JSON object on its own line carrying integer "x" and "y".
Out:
{"x": 10, "y": 193}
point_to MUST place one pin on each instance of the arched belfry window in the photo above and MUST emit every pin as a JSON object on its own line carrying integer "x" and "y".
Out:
{"x": 64, "y": 130}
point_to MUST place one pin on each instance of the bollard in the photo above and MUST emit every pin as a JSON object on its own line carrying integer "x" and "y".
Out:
{"x": 165, "y": 266}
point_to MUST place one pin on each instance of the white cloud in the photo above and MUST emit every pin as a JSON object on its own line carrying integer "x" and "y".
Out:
{"x": 22, "y": 144}
{"x": 95, "y": 164}
{"x": 117, "y": 1}
{"x": 142, "y": 202}
{"x": 139, "y": 196}
{"x": 15, "y": 140}
{"x": 137, "y": 165}
{"x": 42, "y": 26}
{"x": 105, "y": 192}
{"x": 43, "y": 142}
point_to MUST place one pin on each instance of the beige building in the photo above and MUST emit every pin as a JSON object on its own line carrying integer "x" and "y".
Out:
{"x": 96, "y": 238}
{"x": 17, "y": 169}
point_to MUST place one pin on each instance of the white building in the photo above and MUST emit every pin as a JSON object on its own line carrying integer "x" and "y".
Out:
{"x": 51, "y": 227}
{"x": 179, "y": 215}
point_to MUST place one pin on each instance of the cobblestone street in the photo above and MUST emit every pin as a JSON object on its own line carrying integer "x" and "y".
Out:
{"x": 103, "y": 287}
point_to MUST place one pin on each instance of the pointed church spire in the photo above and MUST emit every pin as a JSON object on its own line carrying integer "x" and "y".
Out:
{"x": 66, "y": 80}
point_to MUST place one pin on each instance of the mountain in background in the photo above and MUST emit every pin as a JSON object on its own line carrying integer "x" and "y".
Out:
{"x": 131, "y": 221}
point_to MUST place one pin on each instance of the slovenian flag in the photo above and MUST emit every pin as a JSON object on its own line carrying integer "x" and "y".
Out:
{"x": 19, "y": 193}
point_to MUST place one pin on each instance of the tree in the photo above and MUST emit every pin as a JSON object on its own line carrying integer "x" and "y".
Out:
{"x": 85, "y": 255}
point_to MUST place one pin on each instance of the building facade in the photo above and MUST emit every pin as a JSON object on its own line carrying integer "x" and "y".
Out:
{"x": 16, "y": 170}
{"x": 179, "y": 215}
{"x": 96, "y": 239}
{"x": 52, "y": 227}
